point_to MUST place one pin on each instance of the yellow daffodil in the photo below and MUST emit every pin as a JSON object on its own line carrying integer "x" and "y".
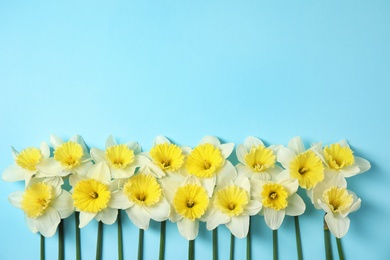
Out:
{"x": 122, "y": 159}
{"x": 338, "y": 203}
{"x": 232, "y": 205}
{"x": 26, "y": 163}
{"x": 142, "y": 199}
{"x": 256, "y": 160}
{"x": 44, "y": 203}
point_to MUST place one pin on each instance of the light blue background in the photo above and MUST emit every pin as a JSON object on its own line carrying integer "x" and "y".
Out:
{"x": 186, "y": 69}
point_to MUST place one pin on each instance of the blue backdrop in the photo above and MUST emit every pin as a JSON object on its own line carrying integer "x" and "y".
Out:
{"x": 186, "y": 69}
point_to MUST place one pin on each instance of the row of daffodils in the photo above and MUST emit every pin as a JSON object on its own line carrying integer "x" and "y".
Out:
{"x": 184, "y": 185}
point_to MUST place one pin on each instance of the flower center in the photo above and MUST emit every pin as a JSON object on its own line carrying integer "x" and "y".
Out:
{"x": 119, "y": 156}
{"x": 91, "y": 196}
{"x": 260, "y": 158}
{"x": 69, "y": 154}
{"x": 338, "y": 156}
{"x": 167, "y": 156}
{"x": 231, "y": 200}
{"x": 29, "y": 158}
{"x": 36, "y": 199}
{"x": 307, "y": 168}
{"x": 191, "y": 201}
{"x": 338, "y": 199}
{"x": 143, "y": 189}
{"x": 274, "y": 196}
{"x": 204, "y": 161}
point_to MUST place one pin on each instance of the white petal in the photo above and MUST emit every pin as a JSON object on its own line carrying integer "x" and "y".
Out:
{"x": 290, "y": 185}
{"x": 155, "y": 170}
{"x": 15, "y": 198}
{"x": 139, "y": 216}
{"x": 252, "y": 141}
{"x": 100, "y": 172}
{"x": 110, "y": 141}
{"x": 296, "y": 206}
{"x": 226, "y": 174}
{"x": 85, "y": 218}
{"x": 45, "y": 150}
{"x": 296, "y": 145}
{"x": 161, "y": 140}
{"x": 159, "y": 211}
{"x": 363, "y": 164}
{"x": 285, "y": 156}
{"x": 134, "y": 146}
{"x": 244, "y": 171}
{"x": 78, "y": 139}
{"x": 107, "y": 216}
{"x": 226, "y": 149}
{"x": 48, "y": 222}
{"x": 253, "y": 207}
{"x": 56, "y": 183}
{"x": 239, "y": 226}
{"x": 337, "y": 225}
{"x": 243, "y": 182}
{"x": 350, "y": 171}
{"x": 343, "y": 143}
{"x": 273, "y": 218}
{"x": 31, "y": 224}
{"x": 63, "y": 204}
{"x": 122, "y": 173}
{"x": 208, "y": 184}
{"x": 50, "y": 167}
{"x": 74, "y": 179}
{"x": 14, "y": 173}
{"x": 83, "y": 168}
{"x": 55, "y": 141}
{"x": 119, "y": 201}
{"x": 210, "y": 140}
{"x": 241, "y": 152}
{"x": 277, "y": 173}
{"x": 355, "y": 206}
{"x": 188, "y": 229}
{"x": 97, "y": 155}
{"x": 216, "y": 218}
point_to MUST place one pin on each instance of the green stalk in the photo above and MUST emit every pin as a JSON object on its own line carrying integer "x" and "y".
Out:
{"x": 120, "y": 243}
{"x": 42, "y": 247}
{"x": 99, "y": 244}
{"x": 328, "y": 248}
{"x": 248, "y": 244}
{"x": 78, "y": 248}
{"x": 340, "y": 248}
{"x": 191, "y": 249}
{"x": 61, "y": 240}
{"x": 215, "y": 243}
{"x": 140, "y": 244}
{"x": 162, "y": 240}
{"x": 231, "y": 246}
{"x": 298, "y": 238}
{"x": 275, "y": 243}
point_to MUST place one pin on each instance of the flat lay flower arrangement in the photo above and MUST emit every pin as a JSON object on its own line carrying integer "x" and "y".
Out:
{"x": 185, "y": 186}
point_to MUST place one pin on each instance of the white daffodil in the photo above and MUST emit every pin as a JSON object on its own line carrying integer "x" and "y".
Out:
{"x": 338, "y": 203}
{"x": 26, "y": 163}
{"x": 232, "y": 205}
{"x": 142, "y": 199}
{"x": 92, "y": 194}
{"x": 256, "y": 160}
{"x": 165, "y": 157}
{"x": 122, "y": 159}
{"x": 208, "y": 162}
{"x": 189, "y": 201}
{"x": 278, "y": 199}
{"x": 300, "y": 164}
{"x": 44, "y": 203}
{"x": 69, "y": 157}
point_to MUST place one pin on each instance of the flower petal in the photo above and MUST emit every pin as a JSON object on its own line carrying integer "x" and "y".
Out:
{"x": 252, "y": 141}
{"x": 83, "y": 168}
{"x": 241, "y": 152}
{"x": 107, "y": 216}
{"x": 55, "y": 141}
{"x": 161, "y": 140}
{"x": 337, "y": 225}
{"x": 15, "y": 198}
{"x": 14, "y": 173}
{"x": 134, "y": 146}
{"x": 208, "y": 184}
{"x": 85, "y": 218}
{"x": 100, "y": 172}
{"x": 216, "y": 218}
{"x": 63, "y": 204}
{"x": 97, "y": 155}
{"x": 239, "y": 226}
{"x": 296, "y": 145}
{"x": 45, "y": 150}
{"x": 159, "y": 211}
{"x": 296, "y": 206}
{"x": 50, "y": 167}
{"x": 363, "y": 164}
{"x": 285, "y": 156}
{"x": 226, "y": 149}
{"x": 290, "y": 185}
{"x": 48, "y": 222}
{"x": 210, "y": 140}
{"x": 119, "y": 201}
{"x": 253, "y": 207}
{"x": 188, "y": 228}
{"x": 273, "y": 218}
{"x": 139, "y": 216}
{"x": 226, "y": 174}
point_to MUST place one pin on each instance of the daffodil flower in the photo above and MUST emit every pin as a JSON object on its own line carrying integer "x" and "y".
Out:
{"x": 44, "y": 203}
{"x": 232, "y": 205}
{"x": 26, "y": 163}
{"x": 189, "y": 201}
{"x": 207, "y": 161}
{"x": 278, "y": 199}
{"x": 256, "y": 160}
{"x": 92, "y": 194}
{"x": 300, "y": 164}
{"x": 142, "y": 199}
{"x": 69, "y": 157}
{"x": 338, "y": 203}
{"x": 122, "y": 159}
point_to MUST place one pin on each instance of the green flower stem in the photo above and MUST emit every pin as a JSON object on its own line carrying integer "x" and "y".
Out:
{"x": 298, "y": 238}
{"x": 141, "y": 244}
{"x": 215, "y": 243}
{"x": 191, "y": 249}
{"x": 120, "y": 243}
{"x": 340, "y": 248}
{"x": 248, "y": 244}
{"x": 61, "y": 240}
{"x": 275, "y": 243}
{"x": 78, "y": 247}
{"x": 42, "y": 247}
{"x": 99, "y": 244}
{"x": 162, "y": 240}
{"x": 231, "y": 246}
{"x": 328, "y": 248}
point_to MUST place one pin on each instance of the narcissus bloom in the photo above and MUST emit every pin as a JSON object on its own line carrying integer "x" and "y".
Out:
{"x": 122, "y": 159}
{"x": 44, "y": 203}
{"x": 92, "y": 195}
{"x": 302, "y": 165}
{"x": 338, "y": 203}
{"x": 69, "y": 157}
{"x": 232, "y": 205}
{"x": 256, "y": 160}
{"x": 26, "y": 163}
{"x": 142, "y": 199}
{"x": 208, "y": 162}
{"x": 278, "y": 199}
